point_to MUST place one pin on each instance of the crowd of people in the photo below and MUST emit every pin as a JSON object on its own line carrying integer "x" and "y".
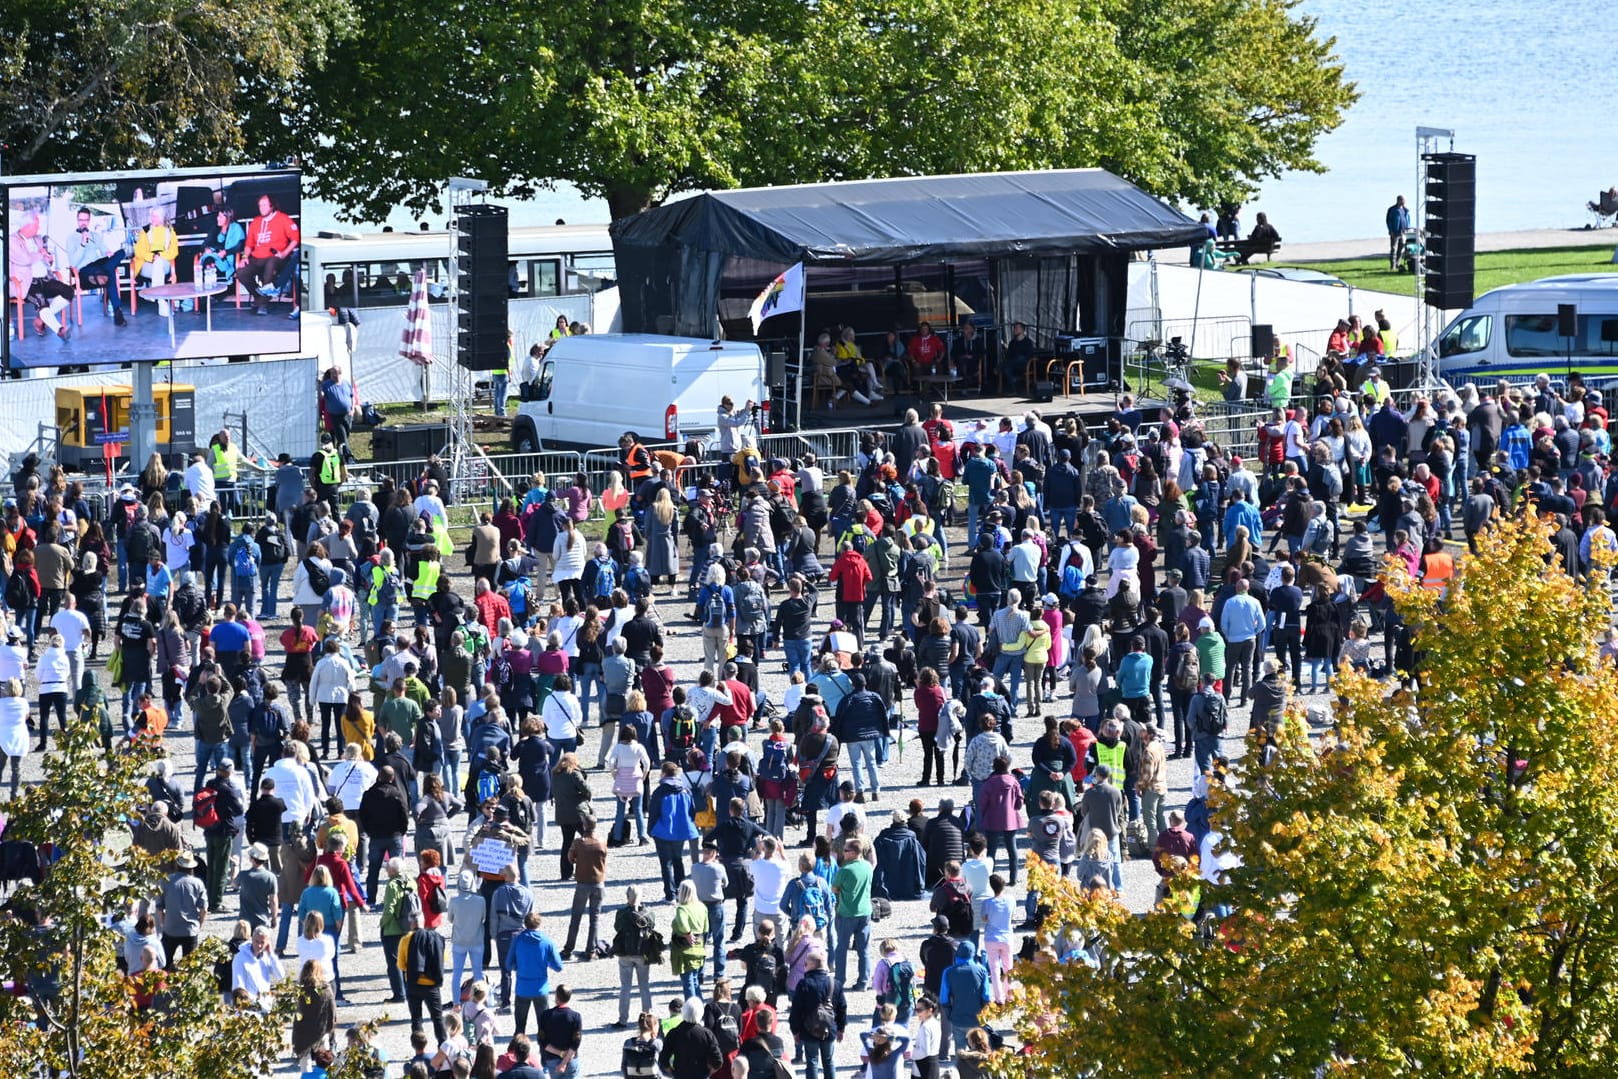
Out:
{"x": 407, "y": 757}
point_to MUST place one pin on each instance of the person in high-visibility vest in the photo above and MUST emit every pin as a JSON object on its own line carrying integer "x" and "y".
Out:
{"x": 327, "y": 471}
{"x": 424, "y": 582}
{"x": 1437, "y": 568}
{"x": 636, "y": 461}
{"x": 227, "y": 462}
{"x": 499, "y": 379}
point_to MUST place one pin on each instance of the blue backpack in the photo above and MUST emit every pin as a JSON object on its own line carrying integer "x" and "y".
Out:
{"x": 773, "y": 763}
{"x": 637, "y": 582}
{"x": 1072, "y": 580}
{"x": 810, "y": 899}
{"x": 517, "y": 597}
{"x": 606, "y": 578}
{"x": 488, "y": 785}
{"x": 243, "y": 562}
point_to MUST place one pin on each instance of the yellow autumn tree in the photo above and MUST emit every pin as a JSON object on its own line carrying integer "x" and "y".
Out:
{"x": 1432, "y": 890}
{"x": 81, "y": 1016}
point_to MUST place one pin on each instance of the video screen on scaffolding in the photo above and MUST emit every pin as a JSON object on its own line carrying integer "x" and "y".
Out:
{"x": 141, "y": 268}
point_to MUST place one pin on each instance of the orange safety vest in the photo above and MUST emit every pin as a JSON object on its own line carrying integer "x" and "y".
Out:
{"x": 1437, "y": 570}
{"x": 635, "y": 459}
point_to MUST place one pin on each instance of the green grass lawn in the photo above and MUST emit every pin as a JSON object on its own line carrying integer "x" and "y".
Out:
{"x": 1494, "y": 268}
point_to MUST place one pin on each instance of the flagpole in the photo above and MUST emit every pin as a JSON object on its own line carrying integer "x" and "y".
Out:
{"x": 797, "y": 389}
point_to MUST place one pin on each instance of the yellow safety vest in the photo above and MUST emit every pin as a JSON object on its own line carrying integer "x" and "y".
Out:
{"x": 331, "y": 470}
{"x": 1113, "y": 758}
{"x": 225, "y": 463}
{"x": 426, "y": 582}
{"x": 1390, "y": 342}
{"x": 441, "y": 539}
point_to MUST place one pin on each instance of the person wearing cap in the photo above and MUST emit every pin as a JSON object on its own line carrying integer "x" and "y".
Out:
{"x": 184, "y": 906}
{"x": 256, "y": 888}
{"x": 230, "y": 808}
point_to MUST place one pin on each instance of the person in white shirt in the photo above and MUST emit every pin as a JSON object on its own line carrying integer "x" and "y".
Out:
{"x": 293, "y": 786}
{"x": 1217, "y": 862}
{"x": 976, "y": 871}
{"x": 562, "y": 716}
{"x": 14, "y": 657}
{"x": 351, "y": 777}
{"x": 199, "y": 480}
{"x": 845, "y": 807}
{"x": 926, "y": 1040}
{"x": 256, "y": 969}
{"x": 177, "y": 542}
{"x": 770, "y": 876}
{"x": 428, "y": 502}
{"x": 1076, "y": 551}
{"x": 70, "y": 624}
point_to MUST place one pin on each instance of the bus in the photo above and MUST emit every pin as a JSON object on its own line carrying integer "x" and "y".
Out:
{"x": 370, "y": 270}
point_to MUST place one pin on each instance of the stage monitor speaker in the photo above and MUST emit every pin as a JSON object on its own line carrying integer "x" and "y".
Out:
{"x": 1044, "y": 392}
{"x": 1567, "y": 320}
{"x": 411, "y": 442}
{"x": 1263, "y": 339}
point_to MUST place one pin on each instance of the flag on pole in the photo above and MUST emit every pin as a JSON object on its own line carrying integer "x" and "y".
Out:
{"x": 783, "y": 294}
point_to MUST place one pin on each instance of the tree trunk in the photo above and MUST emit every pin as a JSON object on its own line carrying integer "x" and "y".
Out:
{"x": 627, "y": 200}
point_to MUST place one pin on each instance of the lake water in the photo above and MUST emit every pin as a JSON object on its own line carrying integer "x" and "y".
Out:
{"x": 1530, "y": 89}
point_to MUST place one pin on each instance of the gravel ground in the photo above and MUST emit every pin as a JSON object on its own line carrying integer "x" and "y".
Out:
{"x": 595, "y": 984}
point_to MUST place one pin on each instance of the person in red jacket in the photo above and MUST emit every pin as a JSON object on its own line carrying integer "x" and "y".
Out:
{"x": 926, "y": 349}
{"x": 342, "y": 877}
{"x": 272, "y": 239}
{"x": 851, "y": 575}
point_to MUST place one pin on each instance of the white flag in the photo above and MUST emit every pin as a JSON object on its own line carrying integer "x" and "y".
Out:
{"x": 783, "y": 294}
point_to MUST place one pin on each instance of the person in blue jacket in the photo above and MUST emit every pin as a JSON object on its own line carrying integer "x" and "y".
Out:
{"x": 901, "y": 866}
{"x": 963, "y": 992}
{"x": 671, "y": 820}
{"x": 532, "y": 959}
{"x": 1243, "y": 512}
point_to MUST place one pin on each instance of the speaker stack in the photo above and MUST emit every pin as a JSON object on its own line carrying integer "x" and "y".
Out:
{"x": 481, "y": 287}
{"x": 1451, "y": 229}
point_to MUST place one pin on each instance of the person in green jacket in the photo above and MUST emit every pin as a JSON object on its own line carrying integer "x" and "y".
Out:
{"x": 396, "y": 896}
{"x": 689, "y": 935}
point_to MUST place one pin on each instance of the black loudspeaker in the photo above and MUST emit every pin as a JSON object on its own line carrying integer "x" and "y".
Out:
{"x": 411, "y": 442}
{"x": 1451, "y": 226}
{"x": 1263, "y": 339}
{"x": 1567, "y": 320}
{"x": 1043, "y": 392}
{"x": 775, "y": 367}
{"x": 481, "y": 287}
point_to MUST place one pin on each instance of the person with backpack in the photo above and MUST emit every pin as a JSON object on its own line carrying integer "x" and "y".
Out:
{"x": 637, "y": 946}
{"x": 716, "y": 610}
{"x": 777, "y": 778}
{"x": 217, "y": 807}
{"x": 244, "y": 557}
{"x": 271, "y": 539}
{"x": 1206, "y": 717}
{"x": 690, "y": 1051}
{"x": 894, "y": 982}
{"x": 819, "y": 1017}
{"x": 599, "y": 577}
{"x": 765, "y": 963}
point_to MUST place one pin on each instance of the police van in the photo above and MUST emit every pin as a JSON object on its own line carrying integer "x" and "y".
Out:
{"x": 1513, "y": 332}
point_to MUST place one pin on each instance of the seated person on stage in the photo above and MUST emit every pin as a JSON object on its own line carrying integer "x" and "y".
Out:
{"x": 824, "y": 365}
{"x": 893, "y": 363}
{"x": 1370, "y": 346}
{"x": 225, "y": 246}
{"x": 87, "y": 250}
{"x": 855, "y": 371}
{"x": 287, "y": 282}
{"x": 968, "y": 354}
{"x": 272, "y": 240}
{"x": 927, "y": 351}
{"x": 1019, "y": 350}
{"x": 33, "y": 277}
{"x": 157, "y": 246}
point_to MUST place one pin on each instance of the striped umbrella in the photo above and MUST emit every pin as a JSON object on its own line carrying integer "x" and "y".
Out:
{"x": 416, "y": 344}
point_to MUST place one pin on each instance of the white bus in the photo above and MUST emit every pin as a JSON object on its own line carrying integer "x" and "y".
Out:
{"x": 360, "y": 270}
{"x": 1511, "y": 332}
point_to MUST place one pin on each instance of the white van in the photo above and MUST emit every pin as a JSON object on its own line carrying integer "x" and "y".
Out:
{"x": 594, "y": 387}
{"x": 1511, "y": 332}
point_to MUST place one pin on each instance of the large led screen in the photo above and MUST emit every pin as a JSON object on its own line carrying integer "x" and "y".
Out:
{"x": 141, "y": 268}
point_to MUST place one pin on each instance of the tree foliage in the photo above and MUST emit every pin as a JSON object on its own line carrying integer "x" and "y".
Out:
{"x": 59, "y": 933}
{"x": 634, "y": 101}
{"x": 1433, "y": 892}
{"x": 148, "y": 83}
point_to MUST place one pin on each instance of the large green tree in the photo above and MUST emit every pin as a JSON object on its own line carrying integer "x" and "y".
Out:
{"x": 633, "y": 101}
{"x": 1430, "y": 891}
{"x": 89, "y": 85}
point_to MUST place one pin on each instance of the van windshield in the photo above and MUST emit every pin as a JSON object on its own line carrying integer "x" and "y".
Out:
{"x": 1467, "y": 335}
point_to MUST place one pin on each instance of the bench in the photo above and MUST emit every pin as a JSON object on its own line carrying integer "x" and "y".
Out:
{"x": 1244, "y": 250}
